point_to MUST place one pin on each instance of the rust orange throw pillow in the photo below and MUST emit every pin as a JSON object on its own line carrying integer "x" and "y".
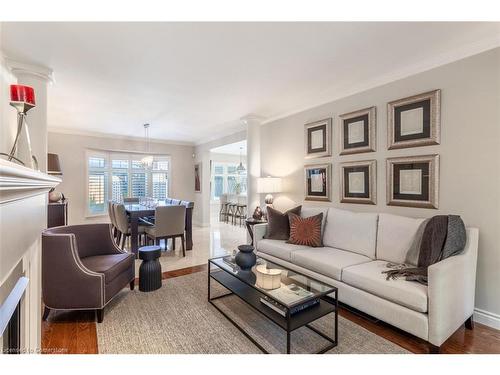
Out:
{"x": 305, "y": 230}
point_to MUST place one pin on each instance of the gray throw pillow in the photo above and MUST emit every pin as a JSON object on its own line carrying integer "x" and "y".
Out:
{"x": 278, "y": 226}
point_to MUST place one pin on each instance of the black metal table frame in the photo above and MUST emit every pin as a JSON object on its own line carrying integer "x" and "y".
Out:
{"x": 330, "y": 300}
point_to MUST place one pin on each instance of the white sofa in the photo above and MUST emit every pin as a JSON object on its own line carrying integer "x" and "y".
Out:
{"x": 357, "y": 248}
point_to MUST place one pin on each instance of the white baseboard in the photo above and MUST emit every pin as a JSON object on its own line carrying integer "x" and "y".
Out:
{"x": 487, "y": 318}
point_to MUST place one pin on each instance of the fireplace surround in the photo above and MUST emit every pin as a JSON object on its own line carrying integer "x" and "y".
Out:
{"x": 23, "y": 216}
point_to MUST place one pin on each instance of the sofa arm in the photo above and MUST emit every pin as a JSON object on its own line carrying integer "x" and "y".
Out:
{"x": 66, "y": 282}
{"x": 451, "y": 289}
{"x": 259, "y": 230}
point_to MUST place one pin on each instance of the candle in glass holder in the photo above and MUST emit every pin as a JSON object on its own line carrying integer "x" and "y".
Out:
{"x": 22, "y": 94}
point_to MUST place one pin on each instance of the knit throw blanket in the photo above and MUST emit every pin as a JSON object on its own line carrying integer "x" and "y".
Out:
{"x": 442, "y": 236}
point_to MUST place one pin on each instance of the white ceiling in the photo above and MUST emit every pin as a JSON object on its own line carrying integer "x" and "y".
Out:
{"x": 193, "y": 81}
{"x": 232, "y": 148}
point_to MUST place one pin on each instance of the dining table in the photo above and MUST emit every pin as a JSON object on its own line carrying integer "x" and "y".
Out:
{"x": 137, "y": 210}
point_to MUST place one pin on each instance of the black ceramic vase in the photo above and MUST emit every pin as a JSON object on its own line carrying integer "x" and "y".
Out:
{"x": 245, "y": 258}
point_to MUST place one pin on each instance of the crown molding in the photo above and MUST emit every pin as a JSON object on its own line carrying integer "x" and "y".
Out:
{"x": 420, "y": 67}
{"x": 89, "y": 133}
{"x": 18, "y": 68}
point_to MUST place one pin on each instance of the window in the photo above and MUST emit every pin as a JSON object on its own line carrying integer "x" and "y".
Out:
{"x": 227, "y": 180}
{"x": 115, "y": 176}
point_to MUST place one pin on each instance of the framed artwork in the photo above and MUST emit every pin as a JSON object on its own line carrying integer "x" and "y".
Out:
{"x": 318, "y": 182}
{"x": 358, "y": 131}
{"x": 318, "y": 141}
{"x": 197, "y": 178}
{"x": 413, "y": 181}
{"x": 414, "y": 121}
{"x": 358, "y": 182}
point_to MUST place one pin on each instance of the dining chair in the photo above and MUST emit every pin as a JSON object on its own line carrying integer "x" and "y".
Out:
{"x": 241, "y": 209}
{"x": 170, "y": 223}
{"x": 111, "y": 213}
{"x": 231, "y": 209}
{"x": 223, "y": 207}
{"x": 123, "y": 225}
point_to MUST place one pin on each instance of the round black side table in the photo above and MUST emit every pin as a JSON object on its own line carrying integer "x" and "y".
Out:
{"x": 150, "y": 268}
{"x": 250, "y": 222}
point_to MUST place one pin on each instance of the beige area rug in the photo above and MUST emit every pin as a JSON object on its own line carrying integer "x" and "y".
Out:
{"x": 177, "y": 318}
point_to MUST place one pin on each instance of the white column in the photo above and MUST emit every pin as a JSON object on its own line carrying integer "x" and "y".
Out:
{"x": 37, "y": 77}
{"x": 253, "y": 124}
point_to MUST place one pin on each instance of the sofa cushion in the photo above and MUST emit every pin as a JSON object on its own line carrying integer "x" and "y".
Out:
{"x": 395, "y": 236}
{"x": 111, "y": 265}
{"x": 327, "y": 260}
{"x": 352, "y": 231}
{"x": 305, "y": 230}
{"x": 278, "y": 226}
{"x": 278, "y": 249}
{"x": 308, "y": 211}
{"x": 369, "y": 277}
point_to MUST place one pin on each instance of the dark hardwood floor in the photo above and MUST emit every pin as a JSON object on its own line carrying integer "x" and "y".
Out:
{"x": 75, "y": 332}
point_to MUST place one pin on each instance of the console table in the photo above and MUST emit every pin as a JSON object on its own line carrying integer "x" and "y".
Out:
{"x": 57, "y": 214}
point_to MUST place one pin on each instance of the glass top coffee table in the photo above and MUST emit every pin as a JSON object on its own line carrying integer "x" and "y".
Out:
{"x": 298, "y": 301}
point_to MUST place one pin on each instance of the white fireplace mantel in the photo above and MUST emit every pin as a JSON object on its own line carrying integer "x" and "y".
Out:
{"x": 23, "y": 217}
{"x": 18, "y": 182}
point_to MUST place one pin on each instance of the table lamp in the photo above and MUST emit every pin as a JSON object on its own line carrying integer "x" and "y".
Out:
{"x": 268, "y": 185}
{"x": 54, "y": 169}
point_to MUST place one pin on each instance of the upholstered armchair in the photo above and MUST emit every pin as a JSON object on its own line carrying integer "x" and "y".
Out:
{"x": 82, "y": 268}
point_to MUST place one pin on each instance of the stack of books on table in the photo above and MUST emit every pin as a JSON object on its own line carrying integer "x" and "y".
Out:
{"x": 289, "y": 294}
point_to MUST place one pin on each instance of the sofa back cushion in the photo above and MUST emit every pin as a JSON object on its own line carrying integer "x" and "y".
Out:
{"x": 308, "y": 211}
{"x": 395, "y": 236}
{"x": 351, "y": 231}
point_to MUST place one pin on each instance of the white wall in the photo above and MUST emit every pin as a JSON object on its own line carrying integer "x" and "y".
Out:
{"x": 71, "y": 150}
{"x": 470, "y": 154}
{"x": 202, "y": 155}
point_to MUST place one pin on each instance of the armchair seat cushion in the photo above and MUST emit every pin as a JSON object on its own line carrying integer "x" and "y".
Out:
{"x": 369, "y": 277}
{"x": 111, "y": 265}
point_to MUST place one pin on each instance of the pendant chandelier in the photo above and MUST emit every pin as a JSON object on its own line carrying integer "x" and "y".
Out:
{"x": 240, "y": 169}
{"x": 147, "y": 161}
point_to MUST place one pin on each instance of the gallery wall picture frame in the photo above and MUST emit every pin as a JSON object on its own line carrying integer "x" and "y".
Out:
{"x": 414, "y": 121}
{"x": 197, "y": 178}
{"x": 358, "y": 131}
{"x": 318, "y": 182}
{"x": 358, "y": 182}
{"x": 318, "y": 139}
{"x": 413, "y": 181}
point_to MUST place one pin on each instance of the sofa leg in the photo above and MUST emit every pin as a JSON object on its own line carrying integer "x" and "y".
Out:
{"x": 433, "y": 349}
{"x": 132, "y": 285}
{"x": 100, "y": 315}
{"x": 469, "y": 323}
{"x": 46, "y": 312}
